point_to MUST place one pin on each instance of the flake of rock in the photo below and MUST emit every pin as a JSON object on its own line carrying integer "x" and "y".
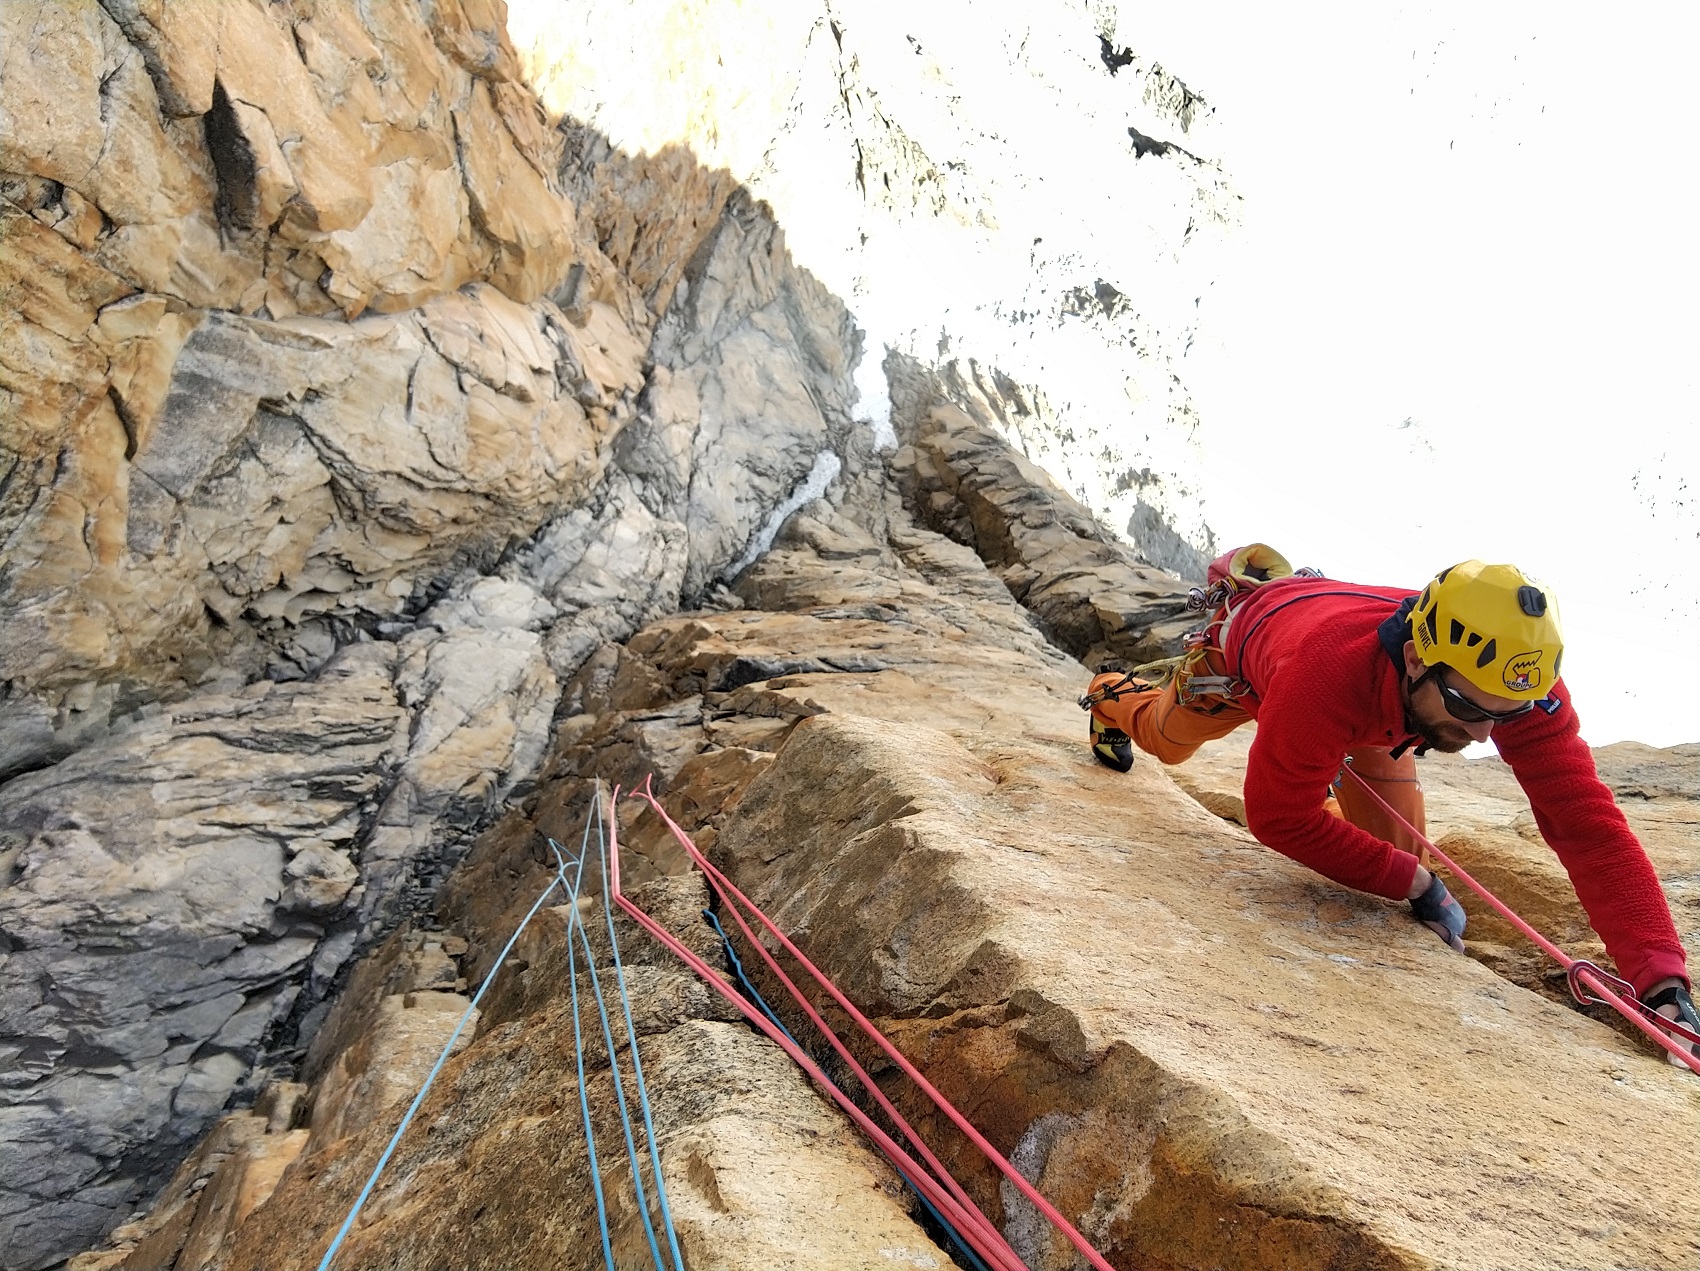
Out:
{"x": 1090, "y": 592}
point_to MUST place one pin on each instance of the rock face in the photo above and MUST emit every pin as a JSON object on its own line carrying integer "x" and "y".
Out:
{"x": 199, "y": 434}
{"x": 1036, "y": 205}
{"x": 214, "y": 468}
{"x": 1093, "y": 596}
{"x": 333, "y": 439}
{"x": 1202, "y": 1052}
{"x": 376, "y": 461}
{"x": 152, "y": 948}
{"x": 1480, "y": 819}
{"x": 750, "y": 1157}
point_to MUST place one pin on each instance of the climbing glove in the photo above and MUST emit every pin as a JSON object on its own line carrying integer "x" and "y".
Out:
{"x": 1441, "y": 914}
{"x": 1675, "y": 995}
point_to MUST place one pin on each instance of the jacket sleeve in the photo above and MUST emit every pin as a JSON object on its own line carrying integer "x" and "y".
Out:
{"x": 1304, "y": 731}
{"x": 1581, "y": 822}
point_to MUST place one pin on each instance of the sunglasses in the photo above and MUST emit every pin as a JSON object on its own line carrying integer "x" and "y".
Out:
{"x": 1463, "y": 709}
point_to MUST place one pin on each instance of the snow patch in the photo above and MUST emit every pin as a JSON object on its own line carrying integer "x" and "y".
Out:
{"x": 826, "y": 467}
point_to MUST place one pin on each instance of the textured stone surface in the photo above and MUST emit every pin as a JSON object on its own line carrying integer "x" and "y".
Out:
{"x": 1088, "y": 1001}
{"x": 1039, "y": 934}
{"x": 306, "y": 365}
{"x": 1084, "y": 996}
{"x": 231, "y": 1173}
{"x": 1478, "y": 815}
{"x": 179, "y": 477}
{"x": 752, "y": 382}
{"x": 1201, "y": 1051}
{"x": 1034, "y": 200}
{"x": 751, "y": 1158}
{"x": 350, "y": 420}
{"x": 1092, "y": 594}
{"x": 153, "y": 937}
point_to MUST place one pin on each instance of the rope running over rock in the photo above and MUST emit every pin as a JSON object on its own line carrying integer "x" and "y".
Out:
{"x": 571, "y": 890}
{"x": 1584, "y": 977}
{"x": 937, "y": 1184}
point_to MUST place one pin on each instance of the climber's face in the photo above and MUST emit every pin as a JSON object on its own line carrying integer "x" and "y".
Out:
{"x": 1447, "y": 711}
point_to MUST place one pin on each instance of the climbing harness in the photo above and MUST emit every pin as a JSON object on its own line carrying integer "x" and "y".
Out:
{"x": 932, "y": 1180}
{"x": 1589, "y": 984}
{"x": 1233, "y": 577}
{"x": 571, "y": 889}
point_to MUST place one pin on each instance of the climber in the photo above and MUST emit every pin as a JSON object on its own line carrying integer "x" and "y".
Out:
{"x": 1340, "y": 674}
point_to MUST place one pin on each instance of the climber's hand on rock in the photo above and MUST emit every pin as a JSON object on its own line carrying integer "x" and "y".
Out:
{"x": 1436, "y": 910}
{"x": 1671, "y": 999}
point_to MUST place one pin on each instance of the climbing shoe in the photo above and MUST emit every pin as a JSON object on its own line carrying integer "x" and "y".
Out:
{"x": 1111, "y": 746}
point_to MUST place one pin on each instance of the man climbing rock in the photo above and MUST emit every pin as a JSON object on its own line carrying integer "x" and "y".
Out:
{"x": 1340, "y": 674}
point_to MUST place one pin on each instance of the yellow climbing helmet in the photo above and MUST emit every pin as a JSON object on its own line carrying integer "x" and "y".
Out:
{"x": 1492, "y": 624}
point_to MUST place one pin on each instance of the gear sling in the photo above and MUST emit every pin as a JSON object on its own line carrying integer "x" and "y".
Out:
{"x": 1172, "y": 707}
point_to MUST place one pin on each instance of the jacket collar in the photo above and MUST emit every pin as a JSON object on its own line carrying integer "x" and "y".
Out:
{"x": 1394, "y": 632}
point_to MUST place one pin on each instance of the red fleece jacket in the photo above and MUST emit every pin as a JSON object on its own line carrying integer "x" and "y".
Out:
{"x": 1323, "y": 684}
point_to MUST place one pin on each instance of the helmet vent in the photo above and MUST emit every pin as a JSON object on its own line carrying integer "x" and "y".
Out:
{"x": 1431, "y": 623}
{"x": 1489, "y": 651}
{"x": 1474, "y": 640}
{"x": 1532, "y": 601}
{"x": 1456, "y": 631}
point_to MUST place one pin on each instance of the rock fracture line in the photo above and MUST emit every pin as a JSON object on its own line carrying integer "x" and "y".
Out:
{"x": 933, "y": 1181}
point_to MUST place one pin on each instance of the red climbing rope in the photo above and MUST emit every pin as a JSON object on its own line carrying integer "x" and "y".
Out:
{"x": 1003, "y": 1258}
{"x": 1583, "y": 976}
{"x": 941, "y": 1189}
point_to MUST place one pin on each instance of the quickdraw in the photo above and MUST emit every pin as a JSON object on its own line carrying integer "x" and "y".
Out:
{"x": 1192, "y": 687}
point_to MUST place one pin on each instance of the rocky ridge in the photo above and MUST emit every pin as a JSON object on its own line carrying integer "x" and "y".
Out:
{"x": 1039, "y": 203}
{"x": 429, "y": 546}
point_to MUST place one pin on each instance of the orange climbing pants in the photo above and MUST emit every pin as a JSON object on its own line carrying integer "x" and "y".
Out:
{"x": 1163, "y": 726}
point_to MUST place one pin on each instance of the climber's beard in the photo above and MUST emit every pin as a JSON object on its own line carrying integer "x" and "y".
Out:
{"x": 1439, "y": 731}
{"x": 1439, "y": 734}
{"x": 1448, "y": 739}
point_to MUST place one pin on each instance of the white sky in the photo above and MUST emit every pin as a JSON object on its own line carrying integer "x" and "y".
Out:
{"x": 1473, "y": 218}
{"x": 1478, "y": 218}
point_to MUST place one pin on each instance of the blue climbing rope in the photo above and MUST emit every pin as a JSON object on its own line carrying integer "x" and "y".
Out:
{"x": 572, "y": 889}
{"x": 407, "y": 1117}
{"x": 631, "y": 1034}
{"x": 578, "y": 1052}
{"x": 745, "y": 984}
{"x": 576, "y": 927}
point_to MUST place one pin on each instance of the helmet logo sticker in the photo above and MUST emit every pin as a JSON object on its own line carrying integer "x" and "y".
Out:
{"x": 1523, "y": 672}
